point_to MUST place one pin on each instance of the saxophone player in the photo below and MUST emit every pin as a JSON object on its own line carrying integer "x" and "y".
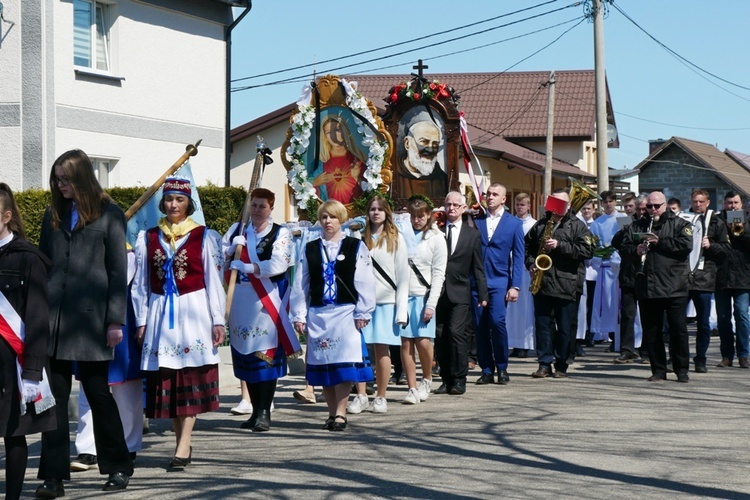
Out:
{"x": 662, "y": 286}
{"x": 567, "y": 242}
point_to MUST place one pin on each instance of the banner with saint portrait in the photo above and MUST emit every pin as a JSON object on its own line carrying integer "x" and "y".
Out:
{"x": 423, "y": 117}
{"x": 337, "y": 148}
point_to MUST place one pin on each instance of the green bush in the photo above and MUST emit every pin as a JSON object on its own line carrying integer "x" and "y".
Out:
{"x": 221, "y": 206}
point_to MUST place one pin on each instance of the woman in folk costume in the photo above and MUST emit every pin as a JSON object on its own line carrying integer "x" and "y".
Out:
{"x": 391, "y": 269}
{"x": 426, "y": 277}
{"x": 260, "y": 332}
{"x": 333, "y": 296}
{"x": 26, "y": 402}
{"x": 179, "y": 302}
{"x": 83, "y": 234}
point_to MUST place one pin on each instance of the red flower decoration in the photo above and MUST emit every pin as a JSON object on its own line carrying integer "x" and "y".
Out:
{"x": 394, "y": 97}
{"x": 433, "y": 86}
{"x": 187, "y": 350}
{"x": 417, "y": 96}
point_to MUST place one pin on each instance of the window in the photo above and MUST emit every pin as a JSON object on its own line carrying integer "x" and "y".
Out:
{"x": 91, "y": 34}
{"x": 102, "y": 168}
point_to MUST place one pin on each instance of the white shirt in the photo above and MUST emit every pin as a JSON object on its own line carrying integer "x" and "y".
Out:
{"x": 456, "y": 230}
{"x": 493, "y": 221}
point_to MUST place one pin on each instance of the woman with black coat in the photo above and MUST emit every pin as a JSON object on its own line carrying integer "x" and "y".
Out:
{"x": 26, "y": 402}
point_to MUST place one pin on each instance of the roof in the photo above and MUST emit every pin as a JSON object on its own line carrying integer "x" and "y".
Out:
{"x": 731, "y": 171}
{"x": 526, "y": 158}
{"x": 512, "y": 104}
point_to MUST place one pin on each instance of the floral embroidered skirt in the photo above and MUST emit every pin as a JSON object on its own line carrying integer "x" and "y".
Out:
{"x": 335, "y": 373}
{"x": 182, "y": 393}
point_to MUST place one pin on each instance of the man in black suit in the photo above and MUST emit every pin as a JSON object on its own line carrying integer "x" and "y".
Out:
{"x": 454, "y": 315}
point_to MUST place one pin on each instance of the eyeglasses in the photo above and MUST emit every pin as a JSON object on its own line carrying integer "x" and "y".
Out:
{"x": 449, "y": 205}
{"x": 62, "y": 181}
{"x": 653, "y": 205}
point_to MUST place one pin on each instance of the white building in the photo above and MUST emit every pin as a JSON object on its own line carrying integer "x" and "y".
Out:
{"x": 130, "y": 82}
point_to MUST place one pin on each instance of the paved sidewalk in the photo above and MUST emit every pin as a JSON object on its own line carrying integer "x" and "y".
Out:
{"x": 604, "y": 432}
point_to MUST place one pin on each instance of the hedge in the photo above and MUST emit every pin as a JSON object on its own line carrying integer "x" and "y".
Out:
{"x": 221, "y": 205}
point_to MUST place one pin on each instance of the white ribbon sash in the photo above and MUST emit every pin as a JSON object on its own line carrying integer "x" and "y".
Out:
{"x": 13, "y": 330}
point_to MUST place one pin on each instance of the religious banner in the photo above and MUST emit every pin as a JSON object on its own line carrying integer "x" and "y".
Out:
{"x": 336, "y": 148}
{"x": 424, "y": 118}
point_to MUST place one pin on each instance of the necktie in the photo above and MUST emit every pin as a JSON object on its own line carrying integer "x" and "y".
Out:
{"x": 450, "y": 239}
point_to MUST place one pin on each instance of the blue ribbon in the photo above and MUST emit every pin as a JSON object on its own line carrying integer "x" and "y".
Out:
{"x": 329, "y": 274}
{"x": 170, "y": 288}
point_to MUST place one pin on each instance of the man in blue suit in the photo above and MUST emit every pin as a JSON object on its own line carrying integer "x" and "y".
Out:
{"x": 503, "y": 253}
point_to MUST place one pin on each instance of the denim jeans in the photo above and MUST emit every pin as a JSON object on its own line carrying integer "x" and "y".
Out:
{"x": 702, "y": 302}
{"x": 741, "y": 300}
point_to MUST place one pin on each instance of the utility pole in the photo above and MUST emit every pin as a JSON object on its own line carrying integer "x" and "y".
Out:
{"x": 602, "y": 164}
{"x": 547, "y": 186}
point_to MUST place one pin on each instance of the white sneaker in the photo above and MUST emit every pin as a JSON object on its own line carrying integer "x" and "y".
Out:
{"x": 378, "y": 405}
{"x": 244, "y": 408}
{"x": 424, "y": 388}
{"x": 358, "y": 403}
{"x": 412, "y": 397}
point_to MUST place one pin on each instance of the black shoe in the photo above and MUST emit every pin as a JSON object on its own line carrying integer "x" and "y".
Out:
{"x": 263, "y": 422}
{"x": 250, "y": 422}
{"x": 181, "y": 463}
{"x": 559, "y": 374}
{"x": 369, "y": 388}
{"x": 625, "y": 357}
{"x": 337, "y": 426}
{"x": 132, "y": 456}
{"x": 402, "y": 379}
{"x": 486, "y": 378}
{"x": 514, "y": 352}
{"x": 51, "y": 488}
{"x": 458, "y": 388}
{"x": 443, "y": 389}
{"x": 579, "y": 351}
{"x": 701, "y": 368}
{"x": 683, "y": 377}
{"x": 328, "y": 426}
{"x": 542, "y": 372}
{"x": 523, "y": 353}
{"x": 84, "y": 461}
{"x": 657, "y": 377}
{"x": 117, "y": 481}
{"x": 502, "y": 377}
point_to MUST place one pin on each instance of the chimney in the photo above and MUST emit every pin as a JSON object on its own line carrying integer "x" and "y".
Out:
{"x": 655, "y": 144}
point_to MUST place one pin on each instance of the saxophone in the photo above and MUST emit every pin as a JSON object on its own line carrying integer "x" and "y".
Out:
{"x": 543, "y": 262}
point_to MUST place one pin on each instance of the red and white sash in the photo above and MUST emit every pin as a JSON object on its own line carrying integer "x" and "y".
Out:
{"x": 277, "y": 307}
{"x": 13, "y": 330}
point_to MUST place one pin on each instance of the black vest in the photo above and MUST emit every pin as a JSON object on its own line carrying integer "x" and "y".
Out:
{"x": 264, "y": 247}
{"x": 345, "y": 292}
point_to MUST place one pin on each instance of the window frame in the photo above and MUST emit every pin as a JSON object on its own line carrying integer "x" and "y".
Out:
{"x": 97, "y": 47}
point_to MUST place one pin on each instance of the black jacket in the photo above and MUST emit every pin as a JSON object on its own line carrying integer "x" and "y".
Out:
{"x": 23, "y": 282}
{"x": 465, "y": 261}
{"x": 734, "y": 271}
{"x": 704, "y": 280}
{"x": 575, "y": 244}
{"x": 629, "y": 263}
{"x": 666, "y": 268}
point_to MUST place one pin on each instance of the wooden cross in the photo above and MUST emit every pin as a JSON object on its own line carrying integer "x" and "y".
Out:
{"x": 419, "y": 67}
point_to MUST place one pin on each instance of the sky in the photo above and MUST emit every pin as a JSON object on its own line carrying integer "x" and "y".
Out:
{"x": 654, "y": 94}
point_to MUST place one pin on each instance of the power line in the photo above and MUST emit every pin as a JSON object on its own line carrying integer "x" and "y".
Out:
{"x": 675, "y": 54}
{"x": 238, "y": 89}
{"x": 464, "y": 91}
{"x": 441, "y": 56}
{"x": 395, "y": 44}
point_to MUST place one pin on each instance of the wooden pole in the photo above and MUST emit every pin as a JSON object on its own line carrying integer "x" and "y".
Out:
{"x": 190, "y": 150}
{"x": 254, "y": 183}
{"x": 547, "y": 186}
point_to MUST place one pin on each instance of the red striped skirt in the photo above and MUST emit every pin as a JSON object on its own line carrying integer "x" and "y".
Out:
{"x": 182, "y": 393}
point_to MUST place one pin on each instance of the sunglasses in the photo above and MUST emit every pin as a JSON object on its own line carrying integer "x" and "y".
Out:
{"x": 62, "y": 181}
{"x": 653, "y": 205}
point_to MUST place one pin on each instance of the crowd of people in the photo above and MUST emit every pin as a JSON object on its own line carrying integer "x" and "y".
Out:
{"x": 140, "y": 327}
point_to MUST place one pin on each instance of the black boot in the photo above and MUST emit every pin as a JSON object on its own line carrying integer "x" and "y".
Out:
{"x": 263, "y": 423}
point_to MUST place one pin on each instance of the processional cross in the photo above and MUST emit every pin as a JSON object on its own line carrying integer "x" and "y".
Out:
{"x": 419, "y": 67}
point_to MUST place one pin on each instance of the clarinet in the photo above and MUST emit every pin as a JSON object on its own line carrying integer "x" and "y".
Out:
{"x": 641, "y": 268}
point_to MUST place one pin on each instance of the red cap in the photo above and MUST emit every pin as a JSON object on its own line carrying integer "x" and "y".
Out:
{"x": 177, "y": 185}
{"x": 555, "y": 205}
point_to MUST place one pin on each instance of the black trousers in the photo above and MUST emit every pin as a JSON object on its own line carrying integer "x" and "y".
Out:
{"x": 111, "y": 450}
{"x": 628, "y": 311}
{"x": 455, "y": 324}
{"x": 652, "y": 319}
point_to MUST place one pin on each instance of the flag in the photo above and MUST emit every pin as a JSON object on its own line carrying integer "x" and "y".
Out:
{"x": 477, "y": 185}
